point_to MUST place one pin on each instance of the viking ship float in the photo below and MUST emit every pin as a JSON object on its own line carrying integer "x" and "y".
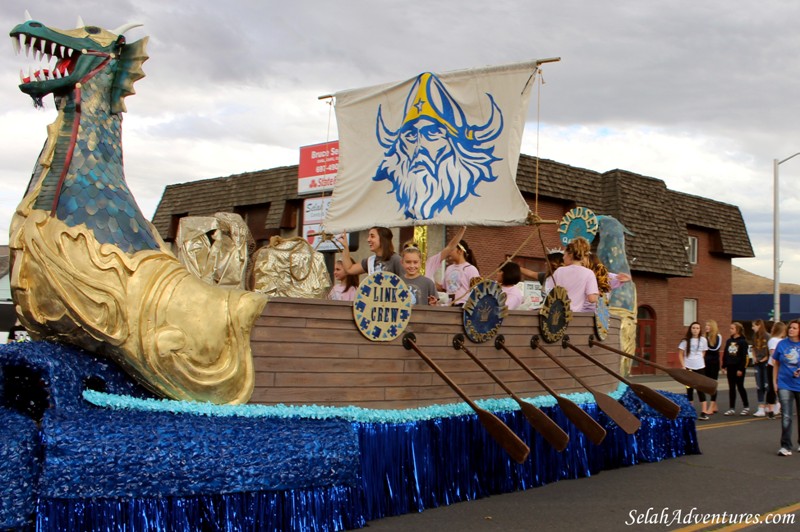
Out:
{"x": 152, "y": 399}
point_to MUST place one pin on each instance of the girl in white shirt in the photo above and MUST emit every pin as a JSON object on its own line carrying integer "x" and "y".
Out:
{"x": 691, "y": 353}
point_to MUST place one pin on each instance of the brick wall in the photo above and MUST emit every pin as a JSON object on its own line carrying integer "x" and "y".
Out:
{"x": 492, "y": 244}
{"x": 710, "y": 284}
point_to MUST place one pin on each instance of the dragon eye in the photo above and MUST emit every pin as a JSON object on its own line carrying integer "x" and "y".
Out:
{"x": 92, "y": 29}
{"x": 35, "y": 24}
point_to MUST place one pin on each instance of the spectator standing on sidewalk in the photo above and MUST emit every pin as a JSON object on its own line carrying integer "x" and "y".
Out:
{"x": 777, "y": 334}
{"x": 735, "y": 362}
{"x": 761, "y": 356}
{"x": 787, "y": 382}
{"x": 714, "y": 340}
{"x": 691, "y": 353}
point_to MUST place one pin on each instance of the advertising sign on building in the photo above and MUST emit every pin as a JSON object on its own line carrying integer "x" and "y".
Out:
{"x": 318, "y": 166}
{"x": 532, "y": 295}
{"x": 314, "y": 211}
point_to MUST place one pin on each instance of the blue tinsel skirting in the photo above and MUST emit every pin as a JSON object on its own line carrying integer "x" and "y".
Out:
{"x": 123, "y": 461}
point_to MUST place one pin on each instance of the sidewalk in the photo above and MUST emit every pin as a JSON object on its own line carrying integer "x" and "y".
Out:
{"x": 662, "y": 381}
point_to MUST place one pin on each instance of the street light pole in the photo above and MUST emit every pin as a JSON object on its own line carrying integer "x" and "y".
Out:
{"x": 776, "y": 239}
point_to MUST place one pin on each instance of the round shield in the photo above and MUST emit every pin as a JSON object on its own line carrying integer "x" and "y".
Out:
{"x": 555, "y": 315}
{"x": 602, "y": 318}
{"x": 484, "y": 311}
{"x": 577, "y": 222}
{"x": 382, "y": 307}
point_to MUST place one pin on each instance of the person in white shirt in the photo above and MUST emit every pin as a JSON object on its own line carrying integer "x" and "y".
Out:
{"x": 691, "y": 353}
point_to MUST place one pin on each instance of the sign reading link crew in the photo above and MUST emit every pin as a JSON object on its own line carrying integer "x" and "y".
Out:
{"x": 382, "y": 307}
{"x": 577, "y": 222}
{"x": 484, "y": 311}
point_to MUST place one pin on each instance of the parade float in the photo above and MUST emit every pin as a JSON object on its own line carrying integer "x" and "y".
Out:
{"x": 154, "y": 400}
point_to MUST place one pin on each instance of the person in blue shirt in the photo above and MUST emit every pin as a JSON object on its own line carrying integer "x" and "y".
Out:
{"x": 787, "y": 381}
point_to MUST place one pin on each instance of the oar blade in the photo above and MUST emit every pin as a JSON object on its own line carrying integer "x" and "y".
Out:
{"x": 661, "y": 403}
{"x": 693, "y": 380}
{"x": 585, "y": 423}
{"x": 541, "y": 422}
{"x": 503, "y": 435}
{"x": 621, "y": 415}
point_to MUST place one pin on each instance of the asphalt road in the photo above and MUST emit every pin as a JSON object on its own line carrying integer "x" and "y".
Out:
{"x": 738, "y": 475}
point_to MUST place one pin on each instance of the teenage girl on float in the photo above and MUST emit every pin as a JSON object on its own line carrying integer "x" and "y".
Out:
{"x": 606, "y": 280}
{"x": 459, "y": 274}
{"x": 692, "y": 353}
{"x": 509, "y": 276}
{"x": 555, "y": 259}
{"x": 384, "y": 259}
{"x": 712, "y": 359}
{"x": 434, "y": 262}
{"x": 346, "y": 284}
{"x": 423, "y": 290}
{"x": 579, "y": 281}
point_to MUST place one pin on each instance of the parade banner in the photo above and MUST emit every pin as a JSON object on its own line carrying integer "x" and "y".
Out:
{"x": 435, "y": 149}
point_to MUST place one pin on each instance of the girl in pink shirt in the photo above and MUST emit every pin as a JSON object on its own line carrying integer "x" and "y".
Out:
{"x": 458, "y": 276}
{"x": 579, "y": 281}
{"x": 509, "y": 276}
{"x": 345, "y": 287}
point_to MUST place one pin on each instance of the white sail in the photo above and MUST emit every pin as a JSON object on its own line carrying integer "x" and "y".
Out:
{"x": 435, "y": 149}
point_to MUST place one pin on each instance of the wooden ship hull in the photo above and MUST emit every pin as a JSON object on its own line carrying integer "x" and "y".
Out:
{"x": 311, "y": 352}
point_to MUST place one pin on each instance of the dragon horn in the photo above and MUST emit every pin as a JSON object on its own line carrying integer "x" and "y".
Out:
{"x": 28, "y": 16}
{"x": 80, "y": 23}
{"x": 125, "y": 27}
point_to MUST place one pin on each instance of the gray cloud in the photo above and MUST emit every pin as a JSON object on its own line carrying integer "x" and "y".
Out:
{"x": 700, "y": 94}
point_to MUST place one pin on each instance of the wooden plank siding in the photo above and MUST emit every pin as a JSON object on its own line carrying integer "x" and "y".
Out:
{"x": 310, "y": 352}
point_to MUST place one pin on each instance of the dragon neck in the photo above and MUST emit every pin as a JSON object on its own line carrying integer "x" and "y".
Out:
{"x": 80, "y": 176}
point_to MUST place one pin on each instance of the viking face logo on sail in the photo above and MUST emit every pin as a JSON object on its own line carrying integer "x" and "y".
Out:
{"x": 435, "y": 159}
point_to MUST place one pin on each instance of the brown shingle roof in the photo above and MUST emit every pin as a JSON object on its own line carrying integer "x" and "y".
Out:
{"x": 657, "y": 217}
{"x": 222, "y": 194}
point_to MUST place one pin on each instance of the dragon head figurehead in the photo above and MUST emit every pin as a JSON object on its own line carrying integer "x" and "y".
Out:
{"x": 69, "y": 56}
{"x": 87, "y": 268}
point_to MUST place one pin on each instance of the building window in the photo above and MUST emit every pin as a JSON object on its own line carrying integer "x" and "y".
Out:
{"x": 689, "y": 311}
{"x": 174, "y": 225}
{"x": 255, "y": 216}
{"x": 691, "y": 249}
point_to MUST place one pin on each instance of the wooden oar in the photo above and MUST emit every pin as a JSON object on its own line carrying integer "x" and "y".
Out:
{"x": 651, "y": 397}
{"x": 613, "y": 408}
{"x": 684, "y": 376}
{"x": 545, "y": 426}
{"x": 585, "y": 423}
{"x": 503, "y": 435}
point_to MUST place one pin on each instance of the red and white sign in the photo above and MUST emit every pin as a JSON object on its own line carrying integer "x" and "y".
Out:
{"x": 318, "y": 166}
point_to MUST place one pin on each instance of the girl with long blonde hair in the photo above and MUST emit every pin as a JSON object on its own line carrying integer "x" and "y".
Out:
{"x": 713, "y": 362}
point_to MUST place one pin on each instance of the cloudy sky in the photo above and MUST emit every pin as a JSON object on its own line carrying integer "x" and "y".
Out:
{"x": 703, "y": 95}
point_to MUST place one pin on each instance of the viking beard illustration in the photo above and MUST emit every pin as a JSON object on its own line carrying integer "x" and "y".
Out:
{"x": 430, "y": 171}
{"x": 435, "y": 159}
